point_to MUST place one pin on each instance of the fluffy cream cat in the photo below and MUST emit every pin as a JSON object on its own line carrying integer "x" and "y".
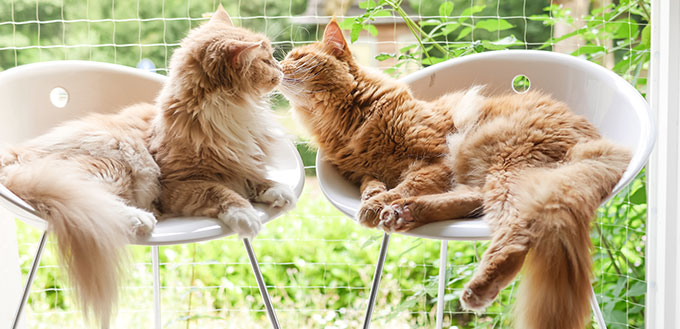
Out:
{"x": 214, "y": 133}
{"x": 201, "y": 150}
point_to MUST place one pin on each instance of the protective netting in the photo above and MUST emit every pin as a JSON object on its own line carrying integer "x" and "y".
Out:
{"x": 318, "y": 263}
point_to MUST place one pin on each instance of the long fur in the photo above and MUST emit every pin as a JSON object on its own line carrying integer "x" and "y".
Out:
{"x": 214, "y": 132}
{"x": 562, "y": 201}
{"x": 86, "y": 220}
{"x": 94, "y": 182}
{"x": 536, "y": 170}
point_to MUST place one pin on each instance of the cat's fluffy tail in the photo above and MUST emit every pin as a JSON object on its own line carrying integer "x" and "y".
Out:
{"x": 555, "y": 288}
{"x": 85, "y": 218}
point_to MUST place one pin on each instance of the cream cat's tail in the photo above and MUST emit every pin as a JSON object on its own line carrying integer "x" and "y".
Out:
{"x": 86, "y": 219}
{"x": 555, "y": 288}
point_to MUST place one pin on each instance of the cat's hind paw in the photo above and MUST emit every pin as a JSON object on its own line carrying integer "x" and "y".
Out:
{"x": 244, "y": 221}
{"x": 475, "y": 300}
{"x": 396, "y": 218}
{"x": 142, "y": 222}
{"x": 278, "y": 196}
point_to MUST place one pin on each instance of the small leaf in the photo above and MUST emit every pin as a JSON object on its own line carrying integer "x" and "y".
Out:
{"x": 367, "y": 4}
{"x": 639, "y": 196}
{"x": 646, "y": 35}
{"x": 478, "y": 47}
{"x": 382, "y": 13}
{"x": 638, "y": 289}
{"x": 503, "y": 43}
{"x": 445, "y": 9}
{"x": 470, "y": 11}
{"x": 432, "y": 60}
{"x": 347, "y": 23}
{"x": 356, "y": 29}
{"x": 371, "y": 29}
{"x": 464, "y": 32}
{"x": 429, "y": 22}
{"x": 493, "y": 25}
{"x": 450, "y": 27}
{"x": 383, "y": 56}
{"x": 589, "y": 49}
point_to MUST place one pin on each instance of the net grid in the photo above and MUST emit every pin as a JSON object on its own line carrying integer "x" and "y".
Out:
{"x": 338, "y": 287}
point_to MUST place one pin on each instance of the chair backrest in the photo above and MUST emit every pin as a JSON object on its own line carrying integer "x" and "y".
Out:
{"x": 30, "y": 94}
{"x": 605, "y": 99}
{"x": 37, "y": 97}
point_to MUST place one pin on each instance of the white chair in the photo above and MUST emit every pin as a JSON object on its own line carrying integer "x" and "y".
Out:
{"x": 36, "y": 97}
{"x": 607, "y": 100}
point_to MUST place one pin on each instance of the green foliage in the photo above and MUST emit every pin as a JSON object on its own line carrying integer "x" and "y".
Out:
{"x": 625, "y": 25}
{"x": 126, "y": 31}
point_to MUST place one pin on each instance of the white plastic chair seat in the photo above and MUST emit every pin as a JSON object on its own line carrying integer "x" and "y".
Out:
{"x": 26, "y": 111}
{"x": 605, "y": 99}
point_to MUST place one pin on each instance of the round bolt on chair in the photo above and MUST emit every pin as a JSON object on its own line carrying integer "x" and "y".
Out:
{"x": 605, "y": 99}
{"x": 36, "y": 97}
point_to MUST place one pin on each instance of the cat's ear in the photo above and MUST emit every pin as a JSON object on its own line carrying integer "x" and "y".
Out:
{"x": 221, "y": 16}
{"x": 334, "y": 40}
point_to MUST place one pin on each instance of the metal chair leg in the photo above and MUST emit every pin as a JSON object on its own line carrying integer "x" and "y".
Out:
{"x": 376, "y": 279}
{"x": 442, "y": 283}
{"x": 596, "y": 310}
{"x": 156, "y": 287}
{"x": 29, "y": 281}
{"x": 260, "y": 283}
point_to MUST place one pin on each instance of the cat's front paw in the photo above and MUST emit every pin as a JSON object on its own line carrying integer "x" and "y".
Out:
{"x": 244, "y": 221}
{"x": 370, "y": 210}
{"x": 476, "y": 297}
{"x": 278, "y": 196}
{"x": 396, "y": 217}
{"x": 142, "y": 222}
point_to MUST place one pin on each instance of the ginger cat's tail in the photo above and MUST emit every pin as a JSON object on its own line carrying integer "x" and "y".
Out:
{"x": 555, "y": 288}
{"x": 89, "y": 225}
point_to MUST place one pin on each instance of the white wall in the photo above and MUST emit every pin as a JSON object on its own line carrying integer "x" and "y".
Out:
{"x": 663, "y": 227}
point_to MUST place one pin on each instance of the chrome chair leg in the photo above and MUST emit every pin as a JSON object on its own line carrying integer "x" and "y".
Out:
{"x": 156, "y": 288}
{"x": 596, "y": 310}
{"x": 260, "y": 283}
{"x": 376, "y": 279}
{"x": 29, "y": 281}
{"x": 442, "y": 283}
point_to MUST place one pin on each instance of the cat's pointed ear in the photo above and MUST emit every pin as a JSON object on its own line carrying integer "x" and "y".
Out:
{"x": 334, "y": 40}
{"x": 221, "y": 16}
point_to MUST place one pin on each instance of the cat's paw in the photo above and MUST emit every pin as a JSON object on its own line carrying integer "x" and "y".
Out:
{"x": 244, "y": 221}
{"x": 368, "y": 213}
{"x": 278, "y": 196}
{"x": 372, "y": 191}
{"x": 142, "y": 222}
{"x": 396, "y": 217}
{"x": 476, "y": 297}
{"x": 370, "y": 210}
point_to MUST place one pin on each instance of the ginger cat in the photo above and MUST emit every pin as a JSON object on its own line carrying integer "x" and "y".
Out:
{"x": 536, "y": 171}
